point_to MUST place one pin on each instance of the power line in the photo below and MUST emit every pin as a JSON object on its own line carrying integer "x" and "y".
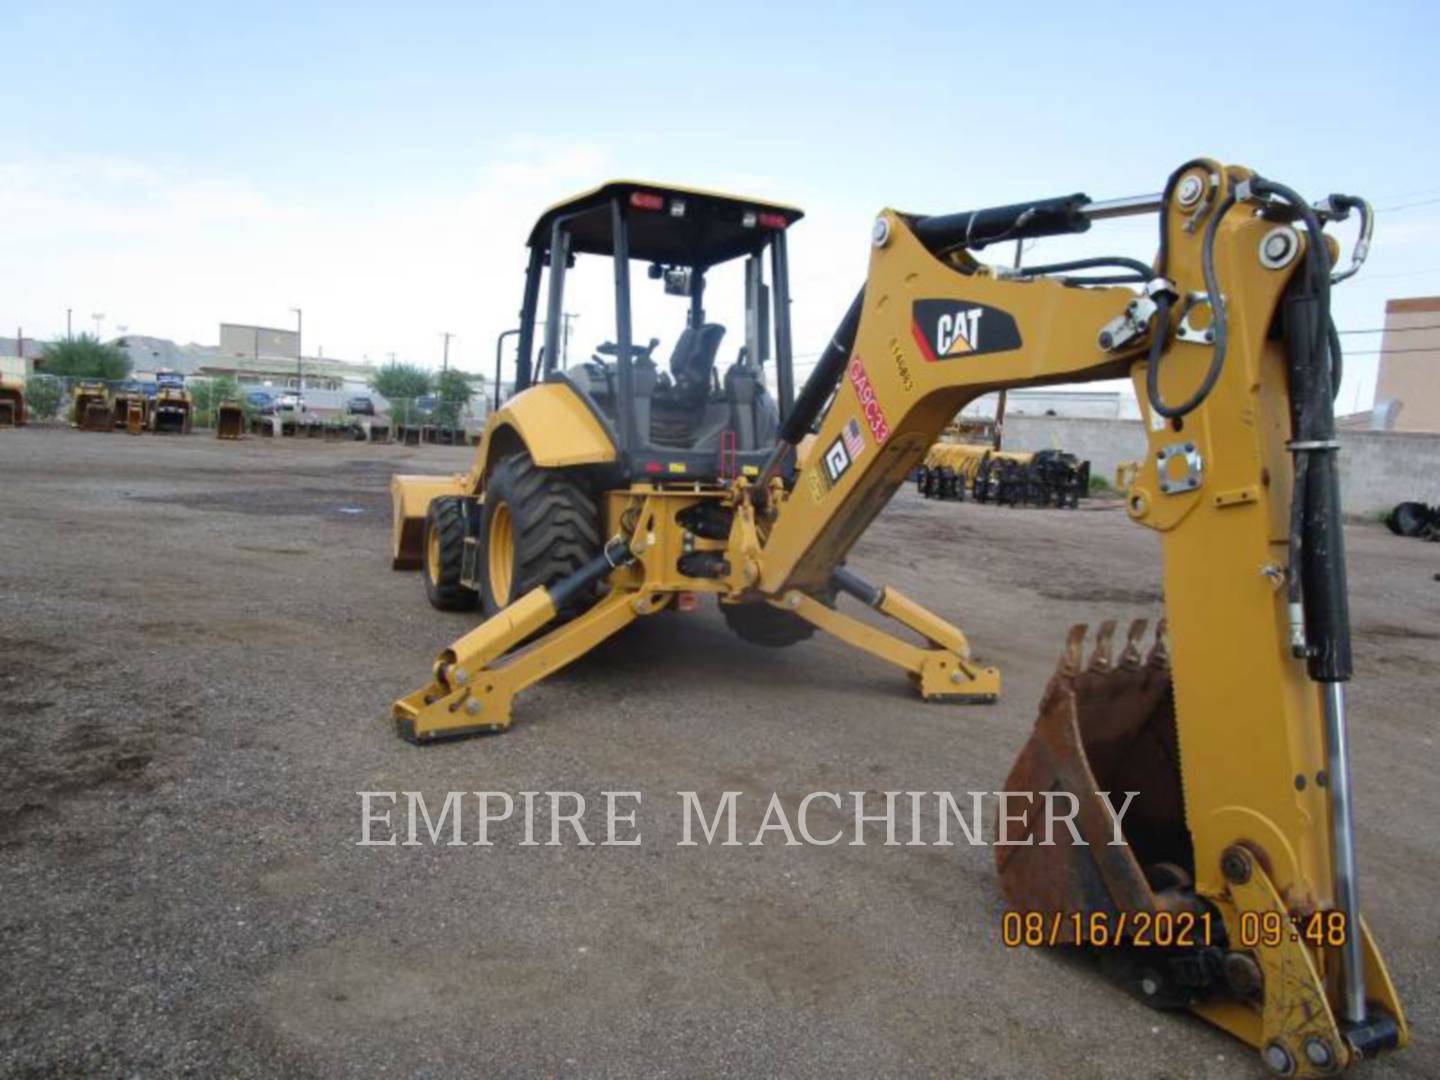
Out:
{"x": 1408, "y": 206}
{"x": 1388, "y": 352}
{"x": 1392, "y": 329}
{"x": 1412, "y": 194}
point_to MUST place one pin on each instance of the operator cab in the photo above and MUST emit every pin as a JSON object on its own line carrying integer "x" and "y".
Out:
{"x": 692, "y": 401}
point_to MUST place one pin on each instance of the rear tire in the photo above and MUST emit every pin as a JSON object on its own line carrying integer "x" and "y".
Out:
{"x": 537, "y": 526}
{"x": 761, "y": 624}
{"x": 444, "y": 555}
{"x": 775, "y": 628}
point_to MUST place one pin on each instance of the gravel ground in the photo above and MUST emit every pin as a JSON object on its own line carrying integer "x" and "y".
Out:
{"x": 199, "y": 643}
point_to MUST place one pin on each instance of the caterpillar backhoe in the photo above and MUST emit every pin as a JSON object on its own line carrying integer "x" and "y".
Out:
{"x": 173, "y": 410}
{"x": 610, "y": 491}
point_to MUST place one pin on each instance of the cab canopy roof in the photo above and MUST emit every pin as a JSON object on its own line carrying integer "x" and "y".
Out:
{"x": 672, "y": 225}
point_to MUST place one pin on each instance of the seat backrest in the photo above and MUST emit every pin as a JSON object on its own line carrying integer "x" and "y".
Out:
{"x": 693, "y": 358}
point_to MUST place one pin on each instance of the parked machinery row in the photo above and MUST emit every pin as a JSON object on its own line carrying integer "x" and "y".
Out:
{"x": 964, "y": 470}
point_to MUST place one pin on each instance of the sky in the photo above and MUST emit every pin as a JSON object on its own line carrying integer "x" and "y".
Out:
{"x": 171, "y": 167}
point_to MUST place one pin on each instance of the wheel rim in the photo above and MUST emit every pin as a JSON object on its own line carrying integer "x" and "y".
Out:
{"x": 500, "y": 546}
{"x": 432, "y": 554}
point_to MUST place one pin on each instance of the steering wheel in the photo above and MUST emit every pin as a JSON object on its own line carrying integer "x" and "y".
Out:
{"x": 637, "y": 352}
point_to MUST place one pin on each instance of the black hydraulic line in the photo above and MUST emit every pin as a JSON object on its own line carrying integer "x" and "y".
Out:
{"x": 1337, "y": 358}
{"x": 1135, "y": 265}
{"x": 1103, "y": 279}
{"x": 824, "y": 376}
{"x": 1308, "y": 334}
{"x": 1022, "y": 221}
{"x": 856, "y": 586}
{"x": 617, "y": 553}
{"x": 1217, "y": 324}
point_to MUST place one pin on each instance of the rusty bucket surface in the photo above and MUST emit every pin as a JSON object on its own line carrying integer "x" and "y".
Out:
{"x": 1104, "y": 726}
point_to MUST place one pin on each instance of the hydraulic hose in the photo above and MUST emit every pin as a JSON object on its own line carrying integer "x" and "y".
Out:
{"x": 1313, "y": 360}
{"x": 814, "y": 394}
{"x": 1134, "y": 265}
{"x": 1217, "y": 323}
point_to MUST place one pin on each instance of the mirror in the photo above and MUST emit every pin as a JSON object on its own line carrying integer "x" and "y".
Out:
{"x": 677, "y": 281}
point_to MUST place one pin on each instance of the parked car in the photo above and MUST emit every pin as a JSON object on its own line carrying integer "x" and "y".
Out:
{"x": 290, "y": 402}
{"x": 261, "y": 402}
{"x": 360, "y": 406}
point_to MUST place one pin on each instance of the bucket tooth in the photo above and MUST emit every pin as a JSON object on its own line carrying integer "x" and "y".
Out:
{"x": 1130, "y": 657}
{"x": 1159, "y": 657}
{"x": 1100, "y": 659}
{"x": 1074, "y": 651}
{"x": 1105, "y": 725}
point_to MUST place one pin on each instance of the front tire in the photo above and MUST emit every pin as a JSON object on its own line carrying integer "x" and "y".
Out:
{"x": 538, "y": 526}
{"x": 445, "y": 554}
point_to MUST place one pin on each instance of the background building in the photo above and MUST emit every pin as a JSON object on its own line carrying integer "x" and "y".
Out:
{"x": 1409, "y": 377}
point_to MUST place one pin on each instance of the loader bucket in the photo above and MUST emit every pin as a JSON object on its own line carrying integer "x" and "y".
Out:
{"x": 97, "y": 416}
{"x": 12, "y": 407}
{"x": 230, "y": 421}
{"x": 172, "y": 417}
{"x": 410, "y": 498}
{"x": 1106, "y": 726}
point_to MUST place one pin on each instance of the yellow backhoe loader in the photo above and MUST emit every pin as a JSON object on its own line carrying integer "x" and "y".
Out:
{"x": 90, "y": 408}
{"x": 12, "y": 403}
{"x": 173, "y": 410}
{"x": 613, "y": 490}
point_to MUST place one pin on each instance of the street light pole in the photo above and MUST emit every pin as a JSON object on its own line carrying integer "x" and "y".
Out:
{"x": 299, "y": 349}
{"x": 445, "y": 360}
{"x": 69, "y": 333}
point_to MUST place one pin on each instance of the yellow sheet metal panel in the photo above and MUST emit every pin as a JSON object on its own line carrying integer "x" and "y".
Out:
{"x": 556, "y": 427}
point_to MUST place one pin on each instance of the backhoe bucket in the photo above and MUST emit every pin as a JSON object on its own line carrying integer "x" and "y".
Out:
{"x": 230, "y": 421}
{"x": 97, "y": 416}
{"x": 1104, "y": 730}
{"x": 12, "y": 407}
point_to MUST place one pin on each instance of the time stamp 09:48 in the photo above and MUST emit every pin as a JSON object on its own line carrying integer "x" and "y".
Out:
{"x": 1169, "y": 929}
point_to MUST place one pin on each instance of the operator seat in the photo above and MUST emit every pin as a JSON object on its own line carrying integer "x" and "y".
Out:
{"x": 692, "y": 363}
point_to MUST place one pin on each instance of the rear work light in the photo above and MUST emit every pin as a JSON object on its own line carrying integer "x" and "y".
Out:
{"x": 647, "y": 200}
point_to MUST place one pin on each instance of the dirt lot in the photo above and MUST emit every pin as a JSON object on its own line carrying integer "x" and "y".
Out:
{"x": 199, "y": 643}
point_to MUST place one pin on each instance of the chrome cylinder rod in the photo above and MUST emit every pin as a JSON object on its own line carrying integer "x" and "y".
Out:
{"x": 1342, "y": 844}
{"x": 1129, "y": 206}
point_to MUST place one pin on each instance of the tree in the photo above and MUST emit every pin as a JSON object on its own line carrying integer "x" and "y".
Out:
{"x": 207, "y": 394}
{"x": 85, "y": 357}
{"x": 43, "y": 395}
{"x": 401, "y": 384}
{"x": 454, "y": 392}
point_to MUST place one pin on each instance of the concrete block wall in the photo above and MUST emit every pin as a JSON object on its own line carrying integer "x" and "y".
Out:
{"x": 1377, "y": 468}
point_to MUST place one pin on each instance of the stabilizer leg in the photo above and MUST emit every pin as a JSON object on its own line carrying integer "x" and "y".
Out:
{"x": 943, "y": 672}
{"x": 476, "y": 678}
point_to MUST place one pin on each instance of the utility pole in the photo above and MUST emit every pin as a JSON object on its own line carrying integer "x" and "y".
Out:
{"x": 69, "y": 335}
{"x": 99, "y": 317}
{"x": 445, "y": 360}
{"x": 299, "y": 347}
{"x": 565, "y": 338}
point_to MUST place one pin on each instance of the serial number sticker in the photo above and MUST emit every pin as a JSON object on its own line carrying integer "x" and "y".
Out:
{"x": 1102, "y": 929}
